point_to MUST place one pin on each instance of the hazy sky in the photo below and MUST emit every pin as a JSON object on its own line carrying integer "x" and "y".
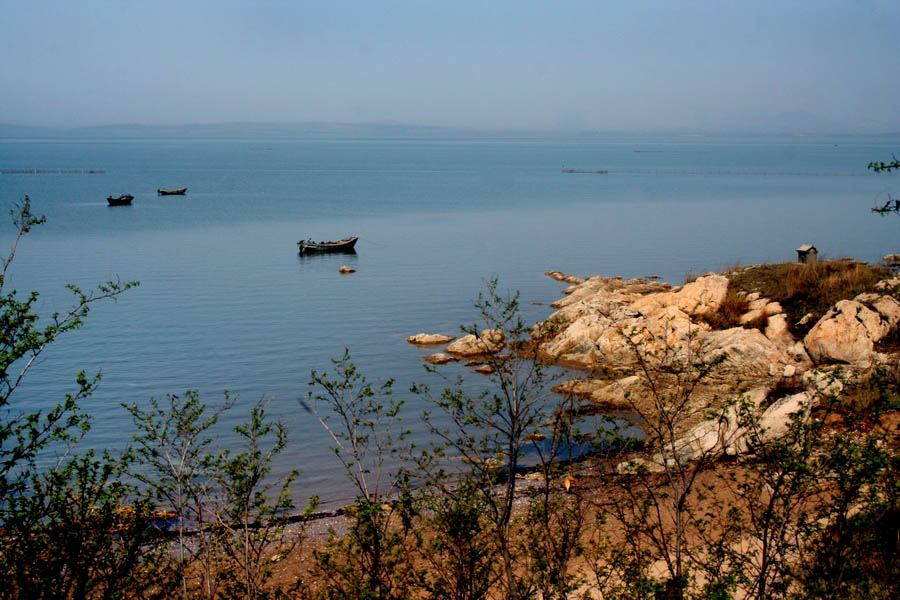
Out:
{"x": 715, "y": 65}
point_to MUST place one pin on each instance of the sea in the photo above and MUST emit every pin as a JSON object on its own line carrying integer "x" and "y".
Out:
{"x": 226, "y": 303}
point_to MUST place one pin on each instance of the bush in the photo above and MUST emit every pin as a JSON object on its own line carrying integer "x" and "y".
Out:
{"x": 73, "y": 528}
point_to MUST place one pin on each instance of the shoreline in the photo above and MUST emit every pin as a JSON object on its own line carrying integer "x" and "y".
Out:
{"x": 769, "y": 356}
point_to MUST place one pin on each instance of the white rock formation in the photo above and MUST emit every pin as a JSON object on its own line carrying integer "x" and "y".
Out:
{"x": 847, "y": 333}
{"x": 703, "y": 295}
{"x": 429, "y": 339}
{"x": 488, "y": 342}
{"x": 438, "y": 359}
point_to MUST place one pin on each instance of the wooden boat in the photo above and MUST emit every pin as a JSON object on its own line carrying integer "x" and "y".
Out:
{"x": 344, "y": 245}
{"x": 123, "y": 200}
{"x": 175, "y": 192}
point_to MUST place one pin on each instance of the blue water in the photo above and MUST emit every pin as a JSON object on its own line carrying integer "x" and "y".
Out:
{"x": 225, "y": 302}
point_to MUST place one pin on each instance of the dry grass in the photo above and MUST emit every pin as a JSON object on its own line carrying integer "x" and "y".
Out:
{"x": 808, "y": 288}
{"x": 729, "y": 313}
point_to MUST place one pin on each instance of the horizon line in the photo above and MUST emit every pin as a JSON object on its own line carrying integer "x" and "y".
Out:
{"x": 458, "y": 129}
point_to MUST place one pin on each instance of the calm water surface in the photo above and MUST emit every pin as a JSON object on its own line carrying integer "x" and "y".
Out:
{"x": 225, "y": 302}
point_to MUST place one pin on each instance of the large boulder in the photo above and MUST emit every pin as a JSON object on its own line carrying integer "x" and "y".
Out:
{"x": 669, "y": 327}
{"x": 607, "y": 295}
{"x": 620, "y": 394}
{"x": 889, "y": 309}
{"x": 578, "y": 339}
{"x": 775, "y": 421}
{"x": 760, "y": 308}
{"x": 580, "y": 387}
{"x": 489, "y": 341}
{"x": 772, "y": 424}
{"x": 886, "y": 306}
{"x": 847, "y": 333}
{"x": 748, "y": 352}
{"x": 777, "y": 330}
{"x": 613, "y": 338}
{"x": 710, "y": 438}
{"x": 724, "y": 434}
{"x": 703, "y": 295}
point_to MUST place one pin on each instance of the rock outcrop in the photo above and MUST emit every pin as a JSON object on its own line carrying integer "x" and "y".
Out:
{"x": 726, "y": 434}
{"x": 559, "y": 276}
{"x": 748, "y": 352}
{"x": 777, "y": 329}
{"x": 429, "y": 339}
{"x": 636, "y": 337}
{"x": 847, "y": 333}
{"x": 606, "y": 323}
{"x": 606, "y": 394}
{"x": 489, "y": 341}
{"x": 703, "y": 295}
{"x": 887, "y": 285}
{"x": 438, "y": 359}
{"x": 761, "y": 308}
{"x": 643, "y": 341}
{"x": 886, "y": 306}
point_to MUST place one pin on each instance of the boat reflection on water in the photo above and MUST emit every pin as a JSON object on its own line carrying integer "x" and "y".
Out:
{"x": 312, "y": 256}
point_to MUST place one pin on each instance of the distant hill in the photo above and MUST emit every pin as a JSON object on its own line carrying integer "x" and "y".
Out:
{"x": 237, "y": 130}
{"x": 24, "y": 131}
{"x": 783, "y": 124}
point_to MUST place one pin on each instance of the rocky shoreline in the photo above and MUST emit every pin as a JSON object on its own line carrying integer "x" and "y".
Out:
{"x": 617, "y": 330}
{"x": 597, "y": 315}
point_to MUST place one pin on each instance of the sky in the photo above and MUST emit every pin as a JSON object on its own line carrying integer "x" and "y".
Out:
{"x": 562, "y": 66}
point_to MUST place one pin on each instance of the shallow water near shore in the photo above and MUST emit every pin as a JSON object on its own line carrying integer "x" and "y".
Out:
{"x": 226, "y": 303}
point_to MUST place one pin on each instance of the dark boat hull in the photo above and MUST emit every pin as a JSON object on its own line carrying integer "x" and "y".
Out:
{"x": 175, "y": 192}
{"x": 124, "y": 200}
{"x": 345, "y": 245}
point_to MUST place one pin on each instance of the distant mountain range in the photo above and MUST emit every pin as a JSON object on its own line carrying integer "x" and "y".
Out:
{"x": 785, "y": 125}
{"x": 235, "y": 130}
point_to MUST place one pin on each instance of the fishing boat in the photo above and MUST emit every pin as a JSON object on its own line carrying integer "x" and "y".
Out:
{"x": 123, "y": 200}
{"x": 175, "y": 192}
{"x": 344, "y": 245}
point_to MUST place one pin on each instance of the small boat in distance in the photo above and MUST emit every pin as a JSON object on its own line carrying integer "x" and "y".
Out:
{"x": 123, "y": 200}
{"x": 175, "y": 192}
{"x": 344, "y": 245}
